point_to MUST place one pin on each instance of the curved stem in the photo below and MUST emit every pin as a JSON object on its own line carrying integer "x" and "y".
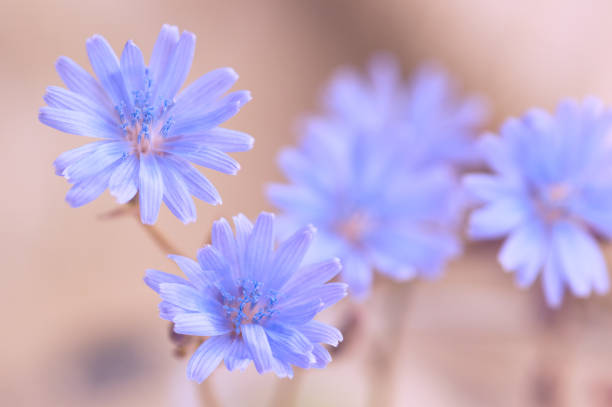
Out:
{"x": 287, "y": 391}
{"x": 207, "y": 395}
{"x": 384, "y": 348}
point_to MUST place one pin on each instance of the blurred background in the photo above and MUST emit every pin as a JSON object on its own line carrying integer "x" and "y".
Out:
{"x": 81, "y": 329}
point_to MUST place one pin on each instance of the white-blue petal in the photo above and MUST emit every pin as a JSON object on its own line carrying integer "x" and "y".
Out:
{"x": 151, "y": 187}
{"x": 207, "y": 357}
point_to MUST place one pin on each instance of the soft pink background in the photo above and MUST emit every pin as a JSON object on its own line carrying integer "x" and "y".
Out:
{"x": 79, "y": 328}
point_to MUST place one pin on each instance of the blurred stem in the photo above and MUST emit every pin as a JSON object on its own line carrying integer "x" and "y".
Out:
{"x": 158, "y": 237}
{"x": 384, "y": 351}
{"x": 548, "y": 381}
{"x": 287, "y": 391}
{"x": 207, "y": 395}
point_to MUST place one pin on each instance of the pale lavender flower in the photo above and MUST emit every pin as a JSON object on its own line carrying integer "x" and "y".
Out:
{"x": 430, "y": 118}
{"x": 551, "y": 196}
{"x": 149, "y": 133}
{"x": 253, "y": 302}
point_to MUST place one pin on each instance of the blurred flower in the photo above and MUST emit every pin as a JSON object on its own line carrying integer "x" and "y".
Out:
{"x": 254, "y": 303}
{"x": 379, "y": 200}
{"x": 427, "y": 115}
{"x": 149, "y": 137}
{"x": 552, "y": 192}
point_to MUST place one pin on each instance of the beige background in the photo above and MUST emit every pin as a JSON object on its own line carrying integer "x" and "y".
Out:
{"x": 80, "y": 328}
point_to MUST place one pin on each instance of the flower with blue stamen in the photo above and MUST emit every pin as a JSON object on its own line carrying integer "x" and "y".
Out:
{"x": 150, "y": 134}
{"x": 550, "y": 196}
{"x": 254, "y": 303}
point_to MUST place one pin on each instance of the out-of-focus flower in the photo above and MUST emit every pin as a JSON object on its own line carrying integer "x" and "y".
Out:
{"x": 149, "y": 136}
{"x": 550, "y": 195}
{"x": 373, "y": 174}
{"x": 435, "y": 124}
{"x": 253, "y": 302}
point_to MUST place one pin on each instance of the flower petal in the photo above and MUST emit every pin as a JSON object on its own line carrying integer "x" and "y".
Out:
{"x": 204, "y": 156}
{"x": 201, "y": 324}
{"x": 123, "y": 184}
{"x": 207, "y": 357}
{"x": 198, "y": 185}
{"x": 90, "y": 188}
{"x": 151, "y": 187}
{"x": 317, "y": 332}
{"x": 256, "y": 341}
{"x": 177, "y": 68}
{"x": 79, "y": 123}
{"x": 205, "y": 90}
{"x": 289, "y": 256}
{"x": 154, "y": 278}
{"x": 80, "y": 81}
{"x": 259, "y": 247}
{"x": 106, "y": 66}
{"x": 162, "y": 51}
{"x": 133, "y": 68}
{"x": 177, "y": 197}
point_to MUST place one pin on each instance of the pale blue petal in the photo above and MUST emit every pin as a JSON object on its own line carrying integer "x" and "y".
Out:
{"x": 205, "y": 156}
{"x": 358, "y": 275}
{"x": 154, "y": 278}
{"x": 207, "y": 357}
{"x": 256, "y": 341}
{"x": 327, "y": 294}
{"x": 197, "y": 184}
{"x": 123, "y": 184}
{"x": 199, "y": 123}
{"x": 79, "y": 123}
{"x": 223, "y": 240}
{"x": 151, "y": 187}
{"x": 579, "y": 259}
{"x": 106, "y": 66}
{"x": 133, "y": 68}
{"x": 206, "y": 90}
{"x": 259, "y": 246}
{"x": 301, "y": 313}
{"x": 322, "y": 356}
{"x": 210, "y": 259}
{"x": 199, "y": 278}
{"x": 80, "y": 81}
{"x": 552, "y": 283}
{"x": 201, "y": 324}
{"x": 176, "y": 196}
{"x": 496, "y": 219}
{"x": 313, "y": 275}
{"x": 177, "y": 68}
{"x": 180, "y": 295}
{"x": 525, "y": 249}
{"x": 238, "y": 356}
{"x": 289, "y": 256}
{"x": 162, "y": 51}
{"x": 317, "y": 332}
{"x": 75, "y": 155}
{"x": 90, "y": 188}
{"x": 65, "y": 99}
{"x": 96, "y": 161}
{"x": 218, "y": 138}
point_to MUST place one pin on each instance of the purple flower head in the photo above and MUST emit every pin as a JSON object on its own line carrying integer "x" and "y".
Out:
{"x": 150, "y": 135}
{"x": 551, "y": 195}
{"x": 253, "y": 302}
{"x": 427, "y": 114}
{"x": 372, "y": 208}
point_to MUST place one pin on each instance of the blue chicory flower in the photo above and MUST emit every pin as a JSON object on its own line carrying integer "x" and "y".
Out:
{"x": 429, "y": 117}
{"x": 149, "y": 136}
{"x": 253, "y": 302}
{"x": 378, "y": 200}
{"x": 551, "y": 196}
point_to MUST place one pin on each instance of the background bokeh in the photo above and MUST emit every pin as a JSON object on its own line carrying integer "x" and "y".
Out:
{"x": 79, "y": 328}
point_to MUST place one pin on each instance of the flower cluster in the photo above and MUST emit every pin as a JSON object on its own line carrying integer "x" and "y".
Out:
{"x": 253, "y": 302}
{"x": 551, "y": 194}
{"x": 149, "y": 136}
{"x": 373, "y": 176}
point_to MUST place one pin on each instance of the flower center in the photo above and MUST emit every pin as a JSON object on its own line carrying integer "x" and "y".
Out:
{"x": 355, "y": 227}
{"x": 146, "y": 123}
{"x": 251, "y": 307}
{"x": 551, "y": 201}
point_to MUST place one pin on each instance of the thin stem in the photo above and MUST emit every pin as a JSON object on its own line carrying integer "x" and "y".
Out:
{"x": 287, "y": 391}
{"x": 384, "y": 352}
{"x": 207, "y": 394}
{"x": 162, "y": 242}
